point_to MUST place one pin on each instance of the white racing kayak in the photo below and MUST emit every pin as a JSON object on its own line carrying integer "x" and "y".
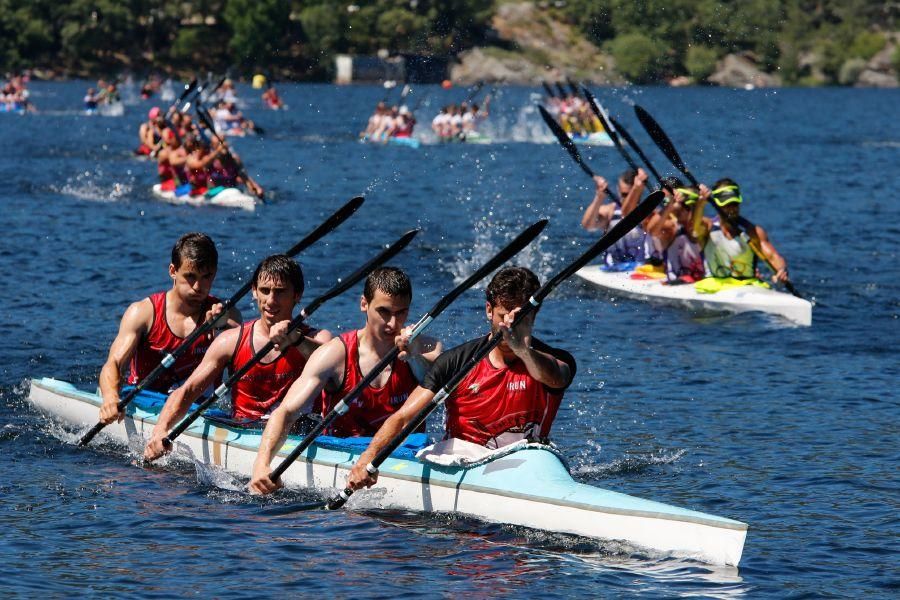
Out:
{"x": 598, "y": 138}
{"x": 748, "y": 298}
{"x": 527, "y": 484}
{"x": 227, "y": 198}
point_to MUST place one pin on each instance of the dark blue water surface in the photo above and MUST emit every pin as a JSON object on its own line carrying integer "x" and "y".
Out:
{"x": 792, "y": 430}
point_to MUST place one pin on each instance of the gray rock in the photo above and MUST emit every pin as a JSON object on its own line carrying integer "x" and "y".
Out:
{"x": 877, "y": 79}
{"x": 738, "y": 71}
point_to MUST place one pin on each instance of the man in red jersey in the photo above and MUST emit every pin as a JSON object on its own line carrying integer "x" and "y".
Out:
{"x": 510, "y": 395}
{"x": 277, "y": 287}
{"x": 155, "y": 326}
{"x": 338, "y": 366}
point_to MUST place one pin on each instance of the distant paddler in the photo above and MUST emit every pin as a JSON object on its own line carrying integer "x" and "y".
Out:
{"x": 727, "y": 250}
{"x": 155, "y": 326}
{"x": 339, "y": 365}
{"x": 277, "y": 287}
{"x": 151, "y": 133}
{"x": 632, "y": 249}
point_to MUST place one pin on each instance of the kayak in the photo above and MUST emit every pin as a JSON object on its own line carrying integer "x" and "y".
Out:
{"x": 598, "y": 138}
{"x": 409, "y": 142}
{"x": 524, "y": 484}
{"x": 473, "y": 137}
{"x": 747, "y": 298}
{"x": 226, "y": 198}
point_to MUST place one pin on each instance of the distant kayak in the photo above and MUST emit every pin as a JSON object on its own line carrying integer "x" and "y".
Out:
{"x": 730, "y": 298}
{"x": 409, "y": 142}
{"x": 225, "y": 198}
{"x": 598, "y": 138}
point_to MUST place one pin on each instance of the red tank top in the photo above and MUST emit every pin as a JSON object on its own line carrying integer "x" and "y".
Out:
{"x": 265, "y": 384}
{"x": 370, "y": 409}
{"x": 160, "y": 341}
{"x": 491, "y": 401}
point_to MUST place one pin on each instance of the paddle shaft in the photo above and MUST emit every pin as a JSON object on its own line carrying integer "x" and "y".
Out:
{"x": 341, "y": 408}
{"x": 607, "y": 126}
{"x": 339, "y": 216}
{"x": 207, "y": 120}
{"x": 658, "y": 134}
{"x": 338, "y": 289}
{"x": 565, "y": 141}
{"x": 629, "y": 222}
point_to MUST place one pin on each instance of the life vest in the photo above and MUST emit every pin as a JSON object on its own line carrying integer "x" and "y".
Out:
{"x": 632, "y": 247}
{"x": 160, "y": 341}
{"x": 265, "y": 384}
{"x": 374, "y": 405}
{"x": 729, "y": 257}
{"x": 684, "y": 259}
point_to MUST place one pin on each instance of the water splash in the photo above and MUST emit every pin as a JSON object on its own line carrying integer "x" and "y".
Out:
{"x": 90, "y": 185}
{"x": 634, "y": 463}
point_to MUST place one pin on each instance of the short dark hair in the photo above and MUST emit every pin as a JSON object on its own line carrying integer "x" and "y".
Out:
{"x": 280, "y": 267}
{"x": 725, "y": 181}
{"x": 197, "y": 248}
{"x": 389, "y": 280}
{"x": 628, "y": 176}
{"x": 511, "y": 287}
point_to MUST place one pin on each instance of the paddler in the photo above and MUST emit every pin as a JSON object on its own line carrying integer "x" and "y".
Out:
{"x": 155, "y": 326}
{"x": 600, "y": 215}
{"x": 150, "y": 133}
{"x": 277, "y": 287}
{"x": 172, "y": 161}
{"x": 339, "y": 365}
{"x": 683, "y": 255}
{"x": 513, "y": 394}
{"x": 727, "y": 250}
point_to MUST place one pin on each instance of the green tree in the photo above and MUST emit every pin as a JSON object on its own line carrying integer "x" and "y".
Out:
{"x": 258, "y": 29}
{"x": 700, "y": 62}
{"x": 639, "y": 58}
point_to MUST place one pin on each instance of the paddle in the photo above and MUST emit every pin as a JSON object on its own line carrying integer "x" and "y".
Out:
{"x": 630, "y": 141}
{"x": 633, "y": 219}
{"x": 564, "y": 140}
{"x": 331, "y": 223}
{"x": 473, "y": 92}
{"x": 511, "y": 249}
{"x": 207, "y": 121}
{"x": 573, "y": 86}
{"x": 562, "y": 90}
{"x": 548, "y": 90}
{"x": 668, "y": 148}
{"x": 338, "y": 289}
{"x": 608, "y": 127}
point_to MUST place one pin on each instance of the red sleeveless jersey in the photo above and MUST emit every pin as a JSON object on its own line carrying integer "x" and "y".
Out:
{"x": 265, "y": 384}
{"x": 490, "y": 401}
{"x": 370, "y": 409}
{"x": 160, "y": 341}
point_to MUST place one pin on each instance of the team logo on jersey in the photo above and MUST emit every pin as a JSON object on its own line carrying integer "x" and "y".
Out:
{"x": 518, "y": 385}
{"x": 474, "y": 388}
{"x": 398, "y": 400}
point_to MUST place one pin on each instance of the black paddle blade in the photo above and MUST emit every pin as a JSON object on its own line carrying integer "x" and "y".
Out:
{"x": 663, "y": 142}
{"x": 287, "y": 509}
{"x": 608, "y": 127}
{"x": 339, "y": 216}
{"x": 564, "y": 140}
{"x": 547, "y": 89}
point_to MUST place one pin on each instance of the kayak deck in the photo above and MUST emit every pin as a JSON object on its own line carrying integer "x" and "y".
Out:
{"x": 748, "y": 298}
{"x": 501, "y": 490}
{"x": 227, "y": 198}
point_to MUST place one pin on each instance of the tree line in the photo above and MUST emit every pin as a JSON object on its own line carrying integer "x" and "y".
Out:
{"x": 803, "y": 41}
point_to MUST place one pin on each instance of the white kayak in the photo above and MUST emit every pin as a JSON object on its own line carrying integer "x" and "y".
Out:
{"x": 748, "y": 298}
{"x": 598, "y": 138}
{"x": 524, "y": 484}
{"x": 227, "y": 198}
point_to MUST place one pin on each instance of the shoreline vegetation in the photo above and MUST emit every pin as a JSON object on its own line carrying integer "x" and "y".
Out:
{"x": 747, "y": 43}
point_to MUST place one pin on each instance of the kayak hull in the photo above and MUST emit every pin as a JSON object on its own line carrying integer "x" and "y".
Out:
{"x": 501, "y": 490}
{"x": 600, "y": 138}
{"x": 747, "y": 298}
{"x": 227, "y": 198}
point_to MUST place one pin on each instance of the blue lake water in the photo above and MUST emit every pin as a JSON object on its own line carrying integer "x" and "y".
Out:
{"x": 791, "y": 430}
